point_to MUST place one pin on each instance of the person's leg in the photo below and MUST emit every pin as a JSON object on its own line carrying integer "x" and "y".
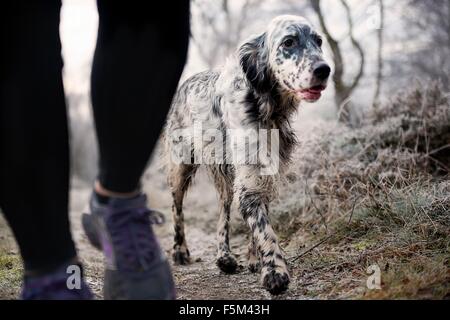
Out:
{"x": 34, "y": 161}
{"x": 138, "y": 61}
{"x": 34, "y": 141}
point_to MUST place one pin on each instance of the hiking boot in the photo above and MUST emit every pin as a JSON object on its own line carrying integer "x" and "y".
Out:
{"x": 135, "y": 266}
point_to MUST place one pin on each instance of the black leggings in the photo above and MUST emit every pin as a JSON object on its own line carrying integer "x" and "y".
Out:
{"x": 139, "y": 58}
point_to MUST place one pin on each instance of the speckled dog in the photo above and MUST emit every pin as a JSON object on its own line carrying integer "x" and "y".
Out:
{"x": 258, "y": 88}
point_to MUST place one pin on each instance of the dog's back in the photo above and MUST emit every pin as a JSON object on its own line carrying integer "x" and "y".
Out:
{"x": 194, "y": 101}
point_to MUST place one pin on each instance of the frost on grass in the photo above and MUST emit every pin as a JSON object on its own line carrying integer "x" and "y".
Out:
{"x": 379, "y": 194}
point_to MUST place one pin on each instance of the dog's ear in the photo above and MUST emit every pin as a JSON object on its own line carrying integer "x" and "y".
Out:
{"x": 253, "y": 56}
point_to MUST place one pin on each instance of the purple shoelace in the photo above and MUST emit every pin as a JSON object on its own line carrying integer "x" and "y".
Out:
{"x": 129, "y": 227}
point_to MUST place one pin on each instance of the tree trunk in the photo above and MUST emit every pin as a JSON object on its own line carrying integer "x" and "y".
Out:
{"x": 376, "y": 99}
{"x": 343, "y": 90}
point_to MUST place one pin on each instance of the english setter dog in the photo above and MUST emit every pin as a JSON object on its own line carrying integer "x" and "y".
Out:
{"x": 258, "y": 88}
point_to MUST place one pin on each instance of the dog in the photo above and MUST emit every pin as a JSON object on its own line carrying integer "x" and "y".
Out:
{"x": 259, "y": 88}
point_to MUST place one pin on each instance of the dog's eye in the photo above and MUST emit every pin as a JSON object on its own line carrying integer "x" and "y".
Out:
{"x": 288, "y": 43}
{"x": 319, "y": 41}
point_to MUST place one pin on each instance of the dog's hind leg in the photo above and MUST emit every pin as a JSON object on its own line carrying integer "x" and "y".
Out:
{"x": 180, "y": 178}
{"x": 223, "y": 181}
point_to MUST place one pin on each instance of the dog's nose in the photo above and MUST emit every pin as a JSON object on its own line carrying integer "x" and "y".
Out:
{"x": 322, "y": 71}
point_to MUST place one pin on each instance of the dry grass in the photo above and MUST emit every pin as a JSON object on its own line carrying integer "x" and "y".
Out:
{"x": 379, "y": 194}
{"x": 10, "y": 264}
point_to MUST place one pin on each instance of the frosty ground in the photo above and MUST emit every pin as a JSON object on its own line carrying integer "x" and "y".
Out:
{"x": 377, "y": 194}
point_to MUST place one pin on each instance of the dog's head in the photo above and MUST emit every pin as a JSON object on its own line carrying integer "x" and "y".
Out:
{"x": 289, "y": 55}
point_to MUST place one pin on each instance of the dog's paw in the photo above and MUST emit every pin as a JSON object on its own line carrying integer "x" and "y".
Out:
{"x": 254, "y": 266}
{"x": 181, "y": 258}
{"x": 275, "y": 282}
{"x": 227, "y": 264}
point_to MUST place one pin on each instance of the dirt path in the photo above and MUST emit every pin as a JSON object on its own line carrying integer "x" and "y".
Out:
{"x": 200, "y": 280}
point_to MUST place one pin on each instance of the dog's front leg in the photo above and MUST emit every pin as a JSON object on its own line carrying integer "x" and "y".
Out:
{"x": 254, "y": 197}
{"x": 253, "y": 257}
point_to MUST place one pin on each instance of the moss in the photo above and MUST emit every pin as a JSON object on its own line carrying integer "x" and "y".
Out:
{"x": 10, "y": 274}
{"x": 415, "y": 278}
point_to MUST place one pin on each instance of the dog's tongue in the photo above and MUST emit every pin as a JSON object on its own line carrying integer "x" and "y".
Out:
{"x": 310, "y": 95}
{"x": 313, "y": 93}
{"x": 316, "y": 89}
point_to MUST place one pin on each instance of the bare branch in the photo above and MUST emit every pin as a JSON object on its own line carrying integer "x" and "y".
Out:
{"x": 358, "y": 47}
{"x": 343, "y": 90}
{"x": 335, "y": 49}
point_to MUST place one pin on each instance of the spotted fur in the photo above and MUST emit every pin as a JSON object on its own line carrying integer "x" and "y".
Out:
{"x": 260, "y": 87}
